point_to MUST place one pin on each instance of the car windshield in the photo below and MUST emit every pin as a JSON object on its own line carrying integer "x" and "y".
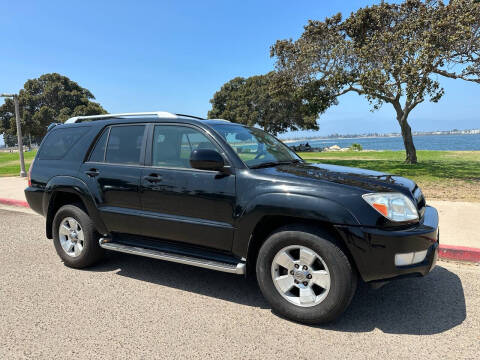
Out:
{"x": 255, "y": 147}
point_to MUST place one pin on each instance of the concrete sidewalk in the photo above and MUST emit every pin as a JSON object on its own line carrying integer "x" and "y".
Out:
{"x": 458, "y": 220}
{"x": 12, "y": 188}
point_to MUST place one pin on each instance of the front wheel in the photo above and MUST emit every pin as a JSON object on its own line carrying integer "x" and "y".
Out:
{"x": 305, "y": 275}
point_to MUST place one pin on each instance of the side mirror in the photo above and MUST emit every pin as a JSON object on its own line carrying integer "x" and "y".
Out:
{"x": 206, "y": 159}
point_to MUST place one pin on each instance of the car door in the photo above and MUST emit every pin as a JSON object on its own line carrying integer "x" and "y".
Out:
{"x": 181, "y": 203}
{"x": 112, "y": 173}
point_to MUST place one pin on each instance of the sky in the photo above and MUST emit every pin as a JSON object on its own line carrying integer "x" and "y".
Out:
{"x": 174, "y": 55}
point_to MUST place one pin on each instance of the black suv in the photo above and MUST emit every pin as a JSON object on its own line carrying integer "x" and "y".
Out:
{"x": 232, "y": 198}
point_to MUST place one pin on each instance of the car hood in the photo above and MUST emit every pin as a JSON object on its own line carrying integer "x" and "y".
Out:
{"x": 368, "y": 180}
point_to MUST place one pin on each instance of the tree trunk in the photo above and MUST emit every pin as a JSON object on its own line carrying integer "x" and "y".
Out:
{"x": 411, "y": 157}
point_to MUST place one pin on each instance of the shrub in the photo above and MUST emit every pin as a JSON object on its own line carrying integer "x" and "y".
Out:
{"x": 356, "y": 147}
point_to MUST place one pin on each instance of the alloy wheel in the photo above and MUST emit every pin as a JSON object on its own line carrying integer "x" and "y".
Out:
{"x": 301, "y": 276}
{"x": 71, "y": 237}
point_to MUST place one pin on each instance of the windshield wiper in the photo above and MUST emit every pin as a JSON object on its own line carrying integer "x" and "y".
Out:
{"x": 273, "y": 163}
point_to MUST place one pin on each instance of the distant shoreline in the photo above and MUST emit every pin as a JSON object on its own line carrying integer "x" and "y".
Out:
{"x": 377, "y": 136}
{"x": 337, "y": 138}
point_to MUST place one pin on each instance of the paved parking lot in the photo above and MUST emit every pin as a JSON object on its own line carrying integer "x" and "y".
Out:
{"x": 131, "y": 307}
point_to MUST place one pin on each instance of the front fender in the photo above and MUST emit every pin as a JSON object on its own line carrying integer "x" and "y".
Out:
{"x": 291, "y": 205}
{"x": 73, "y": 185}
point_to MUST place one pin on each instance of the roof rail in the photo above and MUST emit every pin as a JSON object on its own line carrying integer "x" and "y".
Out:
{"x": 159, "y": 114}
{"x": 191, "y": 116}
{"x": 51, "y": 126}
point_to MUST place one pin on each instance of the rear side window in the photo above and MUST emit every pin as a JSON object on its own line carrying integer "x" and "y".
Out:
{"x": 125, "y": 144}
{"x": 98, "y": 153}
{"x": 59, "y": 142}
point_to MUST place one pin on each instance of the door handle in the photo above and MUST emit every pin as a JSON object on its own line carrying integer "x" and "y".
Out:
{"x": 153, "y": 178}
{"x": 92, "y": 172}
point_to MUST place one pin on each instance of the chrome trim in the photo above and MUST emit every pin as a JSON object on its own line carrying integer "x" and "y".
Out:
{"x": 181, "y": 259}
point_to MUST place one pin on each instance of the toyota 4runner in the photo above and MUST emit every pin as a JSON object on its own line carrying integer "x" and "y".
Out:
{"x": 232, "y": 198}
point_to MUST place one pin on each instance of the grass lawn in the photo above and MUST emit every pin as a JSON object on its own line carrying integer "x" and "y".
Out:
{"x": 447, "y": 175}
{"x": 10, "y": 162}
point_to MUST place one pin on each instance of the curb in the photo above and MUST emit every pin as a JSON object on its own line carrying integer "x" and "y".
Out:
{"x": 14, "y": 202}
{"x": 459, "y": 253}
{"x": 448, "y": 252}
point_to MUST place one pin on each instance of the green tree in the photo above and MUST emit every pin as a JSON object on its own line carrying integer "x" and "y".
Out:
{"x": 271, "y": 102}
{"x": 49, "y": 98}
{"x": 389, "y": 53}
{"x": 10, "y": 140}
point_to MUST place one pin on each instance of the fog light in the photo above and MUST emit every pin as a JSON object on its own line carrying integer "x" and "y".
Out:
{"x": 410, "y": 258}
{"x": 419, "y": 256}
{"x": 404, "y": 259}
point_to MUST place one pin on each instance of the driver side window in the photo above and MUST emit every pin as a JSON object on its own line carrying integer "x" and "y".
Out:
{"x": 172, "y": 145}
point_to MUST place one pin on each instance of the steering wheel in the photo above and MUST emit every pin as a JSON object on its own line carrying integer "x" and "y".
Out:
{"x": 260, "y": 154}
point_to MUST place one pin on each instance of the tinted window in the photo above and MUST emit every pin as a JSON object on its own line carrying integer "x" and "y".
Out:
{"x": 172, "y": 145}
{"x": 98, "y": 152}
{"x": 125, "y": 144}
{"x": 59, "y": 142}
{"x": 254, "y": 146}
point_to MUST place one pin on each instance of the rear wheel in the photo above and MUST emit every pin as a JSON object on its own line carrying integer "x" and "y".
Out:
{"x": 305, "y": 275}
{"x": 75, "y": 238}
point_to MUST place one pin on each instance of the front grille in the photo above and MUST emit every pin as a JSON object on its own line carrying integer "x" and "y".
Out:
{"x": 420, "y": 199}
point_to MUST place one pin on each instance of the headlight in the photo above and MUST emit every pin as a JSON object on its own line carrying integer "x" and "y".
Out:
{"x": 394, "y": 206}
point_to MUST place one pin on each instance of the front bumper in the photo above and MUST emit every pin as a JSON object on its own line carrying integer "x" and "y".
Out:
{"x": 373, "y": 250}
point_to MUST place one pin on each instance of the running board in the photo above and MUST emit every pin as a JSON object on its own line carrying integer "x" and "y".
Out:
{"x": 181, "y": 259}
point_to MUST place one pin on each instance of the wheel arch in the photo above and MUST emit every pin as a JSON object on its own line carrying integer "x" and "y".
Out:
{"x": 63, "y": 190}
{"x": 291, "y": 207}
{"x": 269, "y": 224}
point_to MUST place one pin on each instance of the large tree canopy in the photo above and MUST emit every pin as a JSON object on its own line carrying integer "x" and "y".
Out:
{"x": 389, "y": 53}
{"x": 50, "y": 98}
{"x": 271, "y": 102}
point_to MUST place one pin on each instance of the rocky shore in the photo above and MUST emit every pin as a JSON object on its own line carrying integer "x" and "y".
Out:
{"x": 307, "y": 148}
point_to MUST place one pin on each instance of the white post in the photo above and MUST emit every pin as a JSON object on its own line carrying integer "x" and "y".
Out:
{"x": 19, "y": 132}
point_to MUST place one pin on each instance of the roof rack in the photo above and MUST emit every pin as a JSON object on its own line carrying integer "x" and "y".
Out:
{"x": 159, "y": 114}
{"x": 191, "y": 116}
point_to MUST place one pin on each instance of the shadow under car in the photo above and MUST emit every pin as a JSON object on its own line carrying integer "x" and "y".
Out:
{"x": 416, "y": 306}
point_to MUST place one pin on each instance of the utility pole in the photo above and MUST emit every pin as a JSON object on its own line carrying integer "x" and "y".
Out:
{"x": 19, "y": 132}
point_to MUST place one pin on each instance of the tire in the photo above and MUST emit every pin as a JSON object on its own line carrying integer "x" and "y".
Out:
{"x": 331, "y": 268}
{"x": 85, "y": 251}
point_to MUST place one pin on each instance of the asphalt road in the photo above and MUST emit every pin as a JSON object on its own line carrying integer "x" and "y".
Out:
{"x": 132, "y": 307}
